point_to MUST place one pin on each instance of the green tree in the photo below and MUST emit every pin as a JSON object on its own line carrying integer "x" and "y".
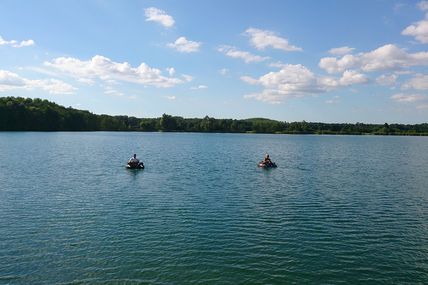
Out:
{"x": 168, "y": 123}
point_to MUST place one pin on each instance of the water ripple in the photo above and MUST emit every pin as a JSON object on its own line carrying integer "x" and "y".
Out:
{"x": 337, "y": 210}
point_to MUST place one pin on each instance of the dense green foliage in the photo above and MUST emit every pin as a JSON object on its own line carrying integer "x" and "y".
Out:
{"x": 24, "y": 114}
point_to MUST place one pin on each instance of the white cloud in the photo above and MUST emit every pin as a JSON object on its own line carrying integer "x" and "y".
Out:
{"x": 422, "y": 107}
{"x": 334, "y": 65}
{"x": 387, "y": 80}
{"x": 198, "y": 87}
{"x": 184, "y": 45}
{"x": 418, "y": 30}
{"x": 351, "y": 77}
{"x": 295, "y": 81}
{"x": 10, "y": 81}
{"x": 8, "y": 78}
{"x": 408, "y": 98}
{"x": 246, "y": 56}
{"x": 249, "y": 80}
{"x": 341, "y": 50}
{"x": 262, "y": 39}
{"x": 292, "y": 81}
{"x": 418, "y": 82}
{"x": 26, "y": 43}
{"x": 157, "y": 15}
{"x": 103, "y": 68}
{"x": 170, "y": 97}
{"x": 170, "y": 70}
{"x": 16, "y": 44}
{"x": 328, "y": 83}
{"x": 387, "y": 57}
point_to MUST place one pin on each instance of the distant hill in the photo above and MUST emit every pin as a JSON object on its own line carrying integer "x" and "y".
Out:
{"x": 25, "y": 114}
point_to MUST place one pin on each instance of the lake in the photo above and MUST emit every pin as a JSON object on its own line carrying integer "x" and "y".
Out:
{"x": 337, "y": 210}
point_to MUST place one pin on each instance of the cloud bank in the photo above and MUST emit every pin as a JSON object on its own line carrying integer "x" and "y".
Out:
{"x": 11, "y": 81}
{"x": 103, "y": 68}
{"x": 296, "y": 81}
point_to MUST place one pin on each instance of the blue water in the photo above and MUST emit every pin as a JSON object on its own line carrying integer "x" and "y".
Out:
{"x": 338, "y": 209}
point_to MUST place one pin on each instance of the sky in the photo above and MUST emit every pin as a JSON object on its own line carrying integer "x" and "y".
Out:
{"x": 319, "y": 61}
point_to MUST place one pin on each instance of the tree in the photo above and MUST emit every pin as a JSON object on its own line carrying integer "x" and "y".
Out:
{"x": 168, "y": 123}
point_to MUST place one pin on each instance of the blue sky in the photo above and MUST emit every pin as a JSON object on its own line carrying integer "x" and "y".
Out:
{"x": 329, "y": 61}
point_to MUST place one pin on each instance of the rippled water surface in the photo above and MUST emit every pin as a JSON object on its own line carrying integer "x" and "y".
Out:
{"x": 338, "y": 209}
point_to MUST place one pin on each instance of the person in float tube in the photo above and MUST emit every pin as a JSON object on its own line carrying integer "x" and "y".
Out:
{"x": 267, "y": 159}
{"x": 133, "y": 160}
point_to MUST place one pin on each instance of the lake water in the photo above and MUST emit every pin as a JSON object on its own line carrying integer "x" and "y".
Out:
{"x": 338, "y": 209}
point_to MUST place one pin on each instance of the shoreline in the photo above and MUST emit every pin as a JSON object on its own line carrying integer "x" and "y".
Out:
{"x": 191, "y": 132}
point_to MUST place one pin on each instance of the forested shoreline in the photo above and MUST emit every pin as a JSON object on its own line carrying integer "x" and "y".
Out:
{"x": 25, "y": 114}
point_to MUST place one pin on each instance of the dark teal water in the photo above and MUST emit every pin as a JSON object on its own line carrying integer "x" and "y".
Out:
{"x": 338, "y": 209}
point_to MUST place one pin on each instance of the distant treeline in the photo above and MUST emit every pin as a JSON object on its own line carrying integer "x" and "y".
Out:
{"x": 25, "y": 114}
